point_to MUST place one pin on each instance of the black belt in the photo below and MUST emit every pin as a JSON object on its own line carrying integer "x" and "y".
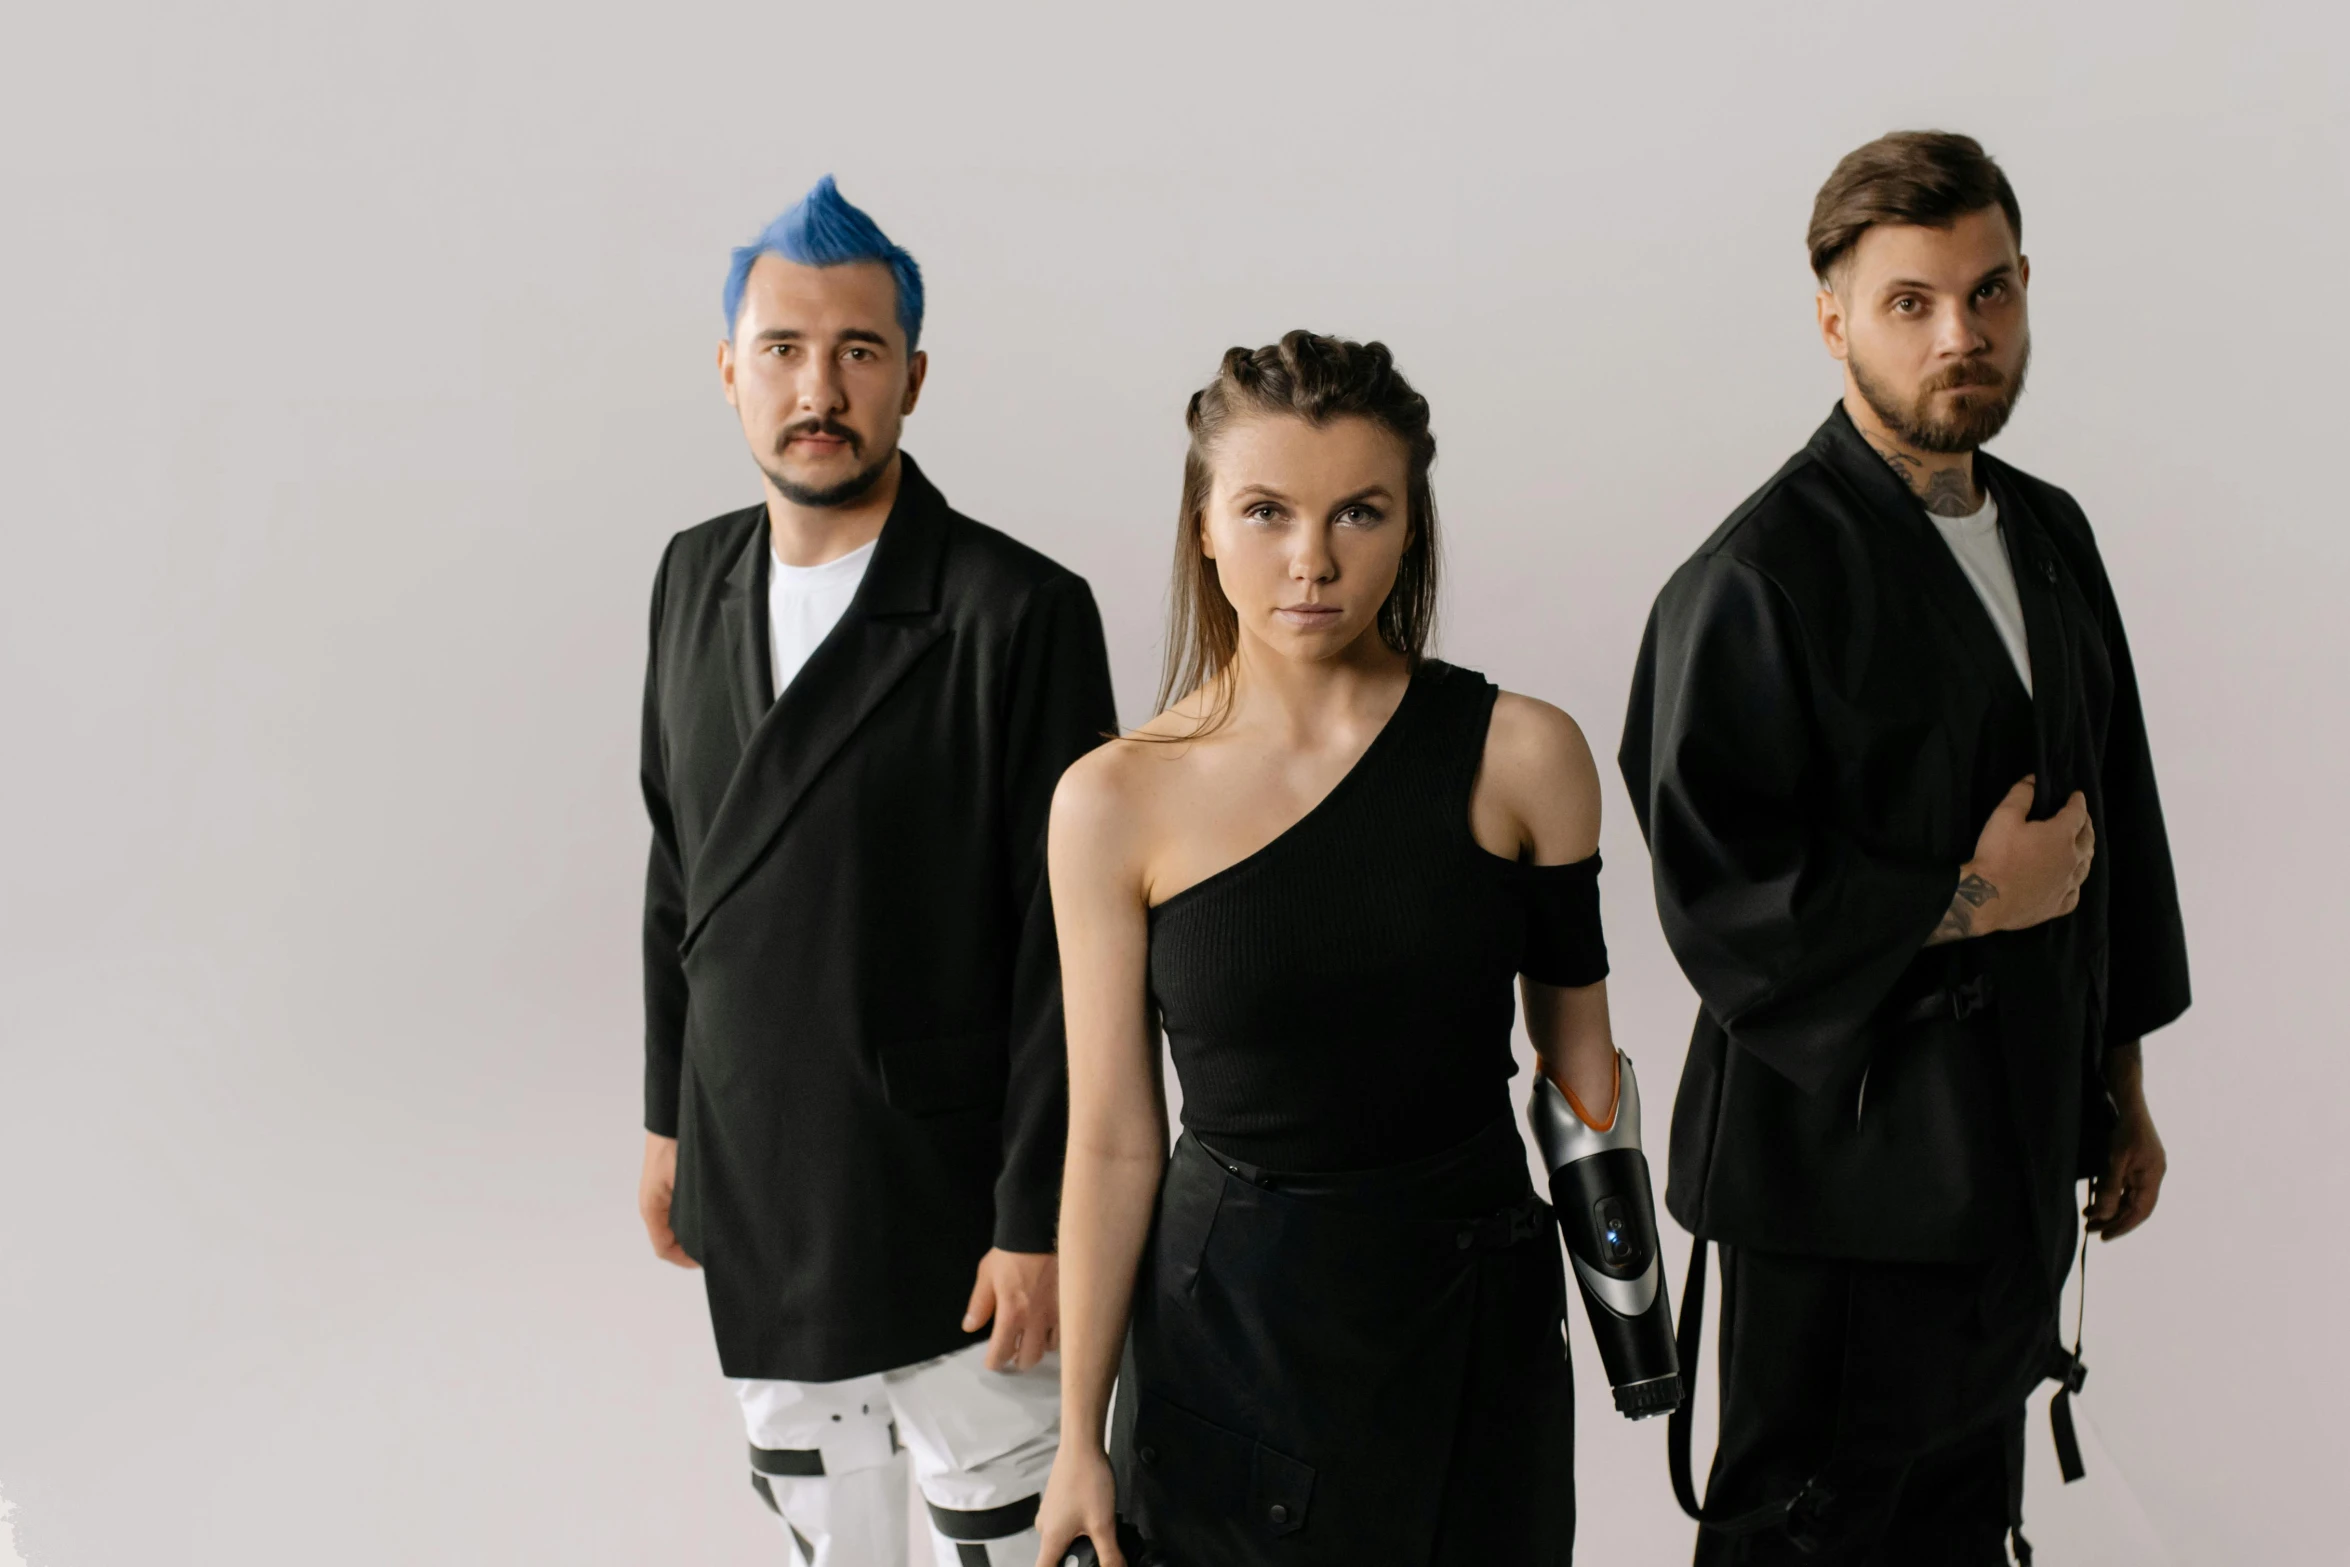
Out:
{"x": 1497, "y": 1230}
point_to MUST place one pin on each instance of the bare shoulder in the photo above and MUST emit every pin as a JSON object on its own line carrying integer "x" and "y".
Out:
{"x": 1108, "y": 804}
{"x": 1097, "y": 790}
{"x": 1540, "y": 767}
{"x": 1532, "y": 731}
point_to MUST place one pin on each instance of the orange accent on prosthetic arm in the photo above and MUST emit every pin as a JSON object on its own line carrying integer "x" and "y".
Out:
{"x": 1615, "y": 1097}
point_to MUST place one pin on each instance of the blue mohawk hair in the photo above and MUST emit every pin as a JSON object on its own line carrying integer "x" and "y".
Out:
{"x": 824, "y": 230}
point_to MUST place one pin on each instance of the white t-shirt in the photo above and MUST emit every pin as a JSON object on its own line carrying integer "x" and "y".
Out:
{"x": 1981, "y": 553}
{"x": 804, "y": 603}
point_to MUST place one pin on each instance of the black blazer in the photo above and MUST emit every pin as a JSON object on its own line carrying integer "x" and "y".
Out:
{"x": 1822, "y": 718}
{"x": 852, "y": 996}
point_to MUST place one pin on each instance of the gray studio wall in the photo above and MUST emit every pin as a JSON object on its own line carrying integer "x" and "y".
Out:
{"x": 355, "y": 364}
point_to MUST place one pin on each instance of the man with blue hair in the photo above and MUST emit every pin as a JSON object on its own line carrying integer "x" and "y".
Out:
{"x": 857, "y": 703}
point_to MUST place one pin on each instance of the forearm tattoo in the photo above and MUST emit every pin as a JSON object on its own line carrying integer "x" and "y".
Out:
{"x": 1958, "y": 921}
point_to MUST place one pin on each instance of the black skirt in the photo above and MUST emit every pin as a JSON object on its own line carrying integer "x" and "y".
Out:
{"x": 1361, "y": 1367}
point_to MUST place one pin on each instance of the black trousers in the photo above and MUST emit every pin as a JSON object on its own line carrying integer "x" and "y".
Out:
{"x": 1894, "y": 1392}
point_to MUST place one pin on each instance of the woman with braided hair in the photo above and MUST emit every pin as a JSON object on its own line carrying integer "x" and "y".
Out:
{"x": 1319, "y": 869}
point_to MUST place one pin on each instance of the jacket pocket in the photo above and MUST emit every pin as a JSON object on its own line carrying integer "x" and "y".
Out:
{"x": 1205, "y": 1467}
{"x": 961, "y": 1072}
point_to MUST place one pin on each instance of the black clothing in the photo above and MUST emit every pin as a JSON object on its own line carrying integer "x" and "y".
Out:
{"x": 853, "y": 1014}
{"x": 1899, "y": 1387}
{"x": 1328, "y": 1370}
{"x": 1375, "y": 1353}
{"x": 1341, "y": 999}
{"x": 1822, "y": 719}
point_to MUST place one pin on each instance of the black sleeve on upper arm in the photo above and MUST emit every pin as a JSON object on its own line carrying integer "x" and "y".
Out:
{"x": 1792, "y": 931}
{"x": 1059, "y": 706}
{"x": 1564, "y": 943}
{"x": 665, "y": 993}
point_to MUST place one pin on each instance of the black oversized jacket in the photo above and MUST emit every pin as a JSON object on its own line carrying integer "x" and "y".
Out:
{"x": 853, "y": 1015}
{"x": 1822, "y": 719}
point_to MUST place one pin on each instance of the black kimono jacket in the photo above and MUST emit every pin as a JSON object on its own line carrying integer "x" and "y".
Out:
{"x": 852, "y": 995}
{"x": 1822, "y": 719}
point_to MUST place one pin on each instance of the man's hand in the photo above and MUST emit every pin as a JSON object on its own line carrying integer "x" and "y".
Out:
{"x": 653, "y": 1190}
{"x": 2121, "y": 1199}
{"x": 1021, "y": 1290}
{"x": 2024, "y": 873}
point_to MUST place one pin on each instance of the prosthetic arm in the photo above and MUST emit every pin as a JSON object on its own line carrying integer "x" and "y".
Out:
{"x": 1599, "y": 1187}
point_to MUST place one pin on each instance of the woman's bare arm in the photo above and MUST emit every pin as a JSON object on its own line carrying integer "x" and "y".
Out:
{"x": 1576, "y": 1047}
{"x": 1117, "y": 1121}
{"x": 1538, "y": 799}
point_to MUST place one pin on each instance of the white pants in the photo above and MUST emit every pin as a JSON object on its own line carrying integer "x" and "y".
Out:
{"x": 831, "y": 1459}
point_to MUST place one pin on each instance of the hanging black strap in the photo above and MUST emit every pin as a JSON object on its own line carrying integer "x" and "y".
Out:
{"x": 1687, "y": 1337}
{"x": 2064, "y": 1367}
{"x": 2060, "y": 1426}
{"x": 2012, "y": 1441}
{"x": 2069, "y": 1374}
{"x": 1796, "y": 1512}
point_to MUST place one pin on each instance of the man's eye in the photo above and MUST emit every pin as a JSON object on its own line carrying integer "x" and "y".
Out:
{"x": 860, "y": 353}
{"x": 1992, "y": 291}
{"x": 1905, "y": 305}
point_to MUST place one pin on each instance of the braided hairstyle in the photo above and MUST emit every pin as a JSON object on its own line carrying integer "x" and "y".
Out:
{"x": 1317, "y": 379}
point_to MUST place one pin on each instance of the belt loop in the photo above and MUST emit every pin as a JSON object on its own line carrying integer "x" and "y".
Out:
{"x": 1970, "y": 998}
{"x": 1241, "y": 1169}
{"x": 1956, "y": 1002}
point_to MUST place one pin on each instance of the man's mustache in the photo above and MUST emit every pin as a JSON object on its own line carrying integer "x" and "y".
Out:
{"x": 831, "y": 427}
{"x": 1971, "y": 372}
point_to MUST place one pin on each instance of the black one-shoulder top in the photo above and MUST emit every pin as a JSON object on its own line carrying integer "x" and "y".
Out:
{"x": 1342, "y": 998}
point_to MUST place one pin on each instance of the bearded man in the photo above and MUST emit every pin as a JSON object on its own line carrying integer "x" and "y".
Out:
{"x": 1886, "y": 746}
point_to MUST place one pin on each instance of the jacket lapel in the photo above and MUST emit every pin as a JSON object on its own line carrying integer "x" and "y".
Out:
{"x": 1950, "y": 597}
{"x": 742, "y": 601}
{"x": 2032, "y": 556}
{"x": 893, "y": 620}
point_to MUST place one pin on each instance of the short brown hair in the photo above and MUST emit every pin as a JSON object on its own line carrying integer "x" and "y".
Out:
{"x": 1927, "y": 178}
{"x": 1317, "y": 379}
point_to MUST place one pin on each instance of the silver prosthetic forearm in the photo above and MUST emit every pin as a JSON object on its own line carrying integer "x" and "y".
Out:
{"x": 1606, "y": 1211}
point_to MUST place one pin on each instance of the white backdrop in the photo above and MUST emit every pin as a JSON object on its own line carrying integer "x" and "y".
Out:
{"x": 355, "y": 364}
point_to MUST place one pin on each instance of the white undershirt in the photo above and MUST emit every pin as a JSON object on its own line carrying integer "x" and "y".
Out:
{"x": 1975, "y": 542}
{"x": 804, "y": 603}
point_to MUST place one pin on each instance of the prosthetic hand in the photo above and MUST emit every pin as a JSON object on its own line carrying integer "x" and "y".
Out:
{"x": 1599, "y": 1186}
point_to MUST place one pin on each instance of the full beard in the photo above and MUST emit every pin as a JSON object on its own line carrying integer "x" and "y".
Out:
{"x": 1974, "y": 422}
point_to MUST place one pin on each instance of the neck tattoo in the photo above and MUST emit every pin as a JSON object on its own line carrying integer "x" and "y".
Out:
{"x": 1946, "y": 492}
